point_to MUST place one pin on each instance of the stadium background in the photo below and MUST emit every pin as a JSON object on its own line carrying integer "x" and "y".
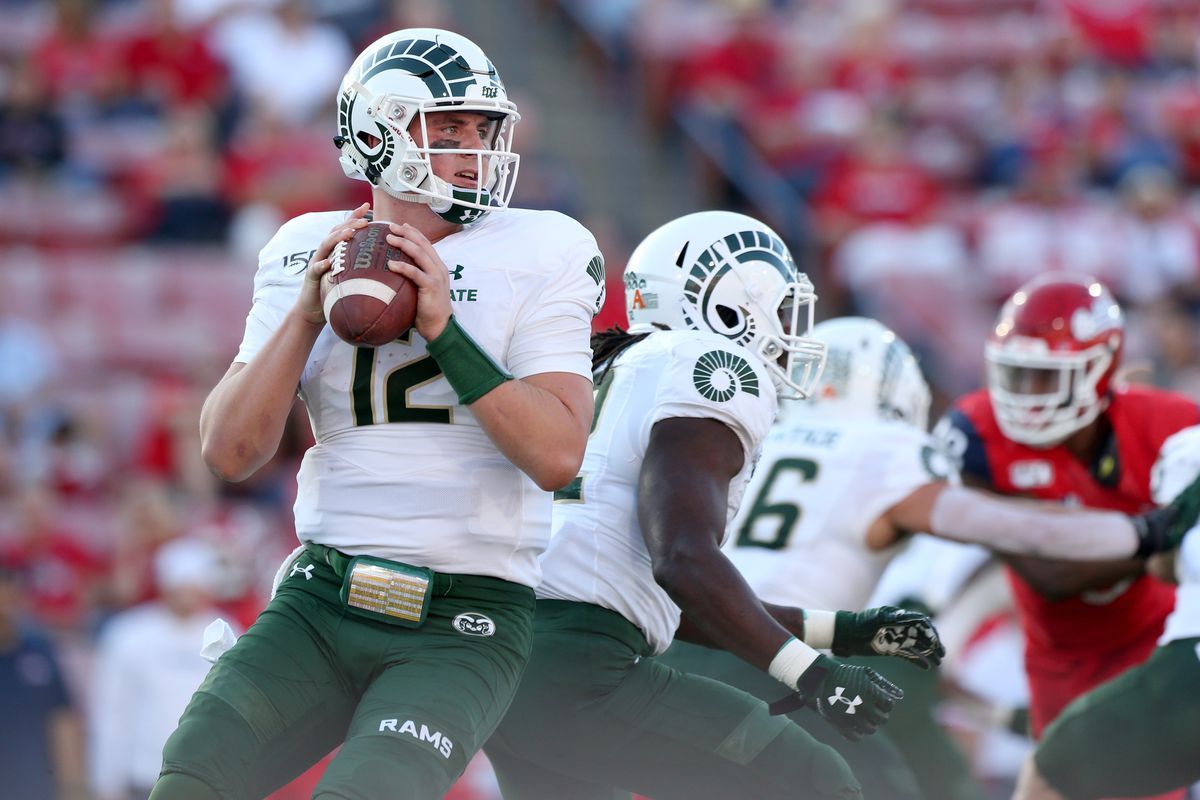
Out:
{"x": 921, "y": 157}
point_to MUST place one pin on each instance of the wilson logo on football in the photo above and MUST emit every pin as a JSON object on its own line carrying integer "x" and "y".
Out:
{"x": 474, "y": 624}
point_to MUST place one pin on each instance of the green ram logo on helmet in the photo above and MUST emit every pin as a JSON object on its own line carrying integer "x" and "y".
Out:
{"x": 713, "y": 264}
{"x": 444, "y": 72}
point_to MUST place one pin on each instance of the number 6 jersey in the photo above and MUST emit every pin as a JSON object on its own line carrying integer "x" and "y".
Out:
{"x": 800, "y": 537}
{"x": 399, "y": 469}
{"x": 597, "y": 554}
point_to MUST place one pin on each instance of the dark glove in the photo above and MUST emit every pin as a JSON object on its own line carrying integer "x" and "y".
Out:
{"x": 855, "y": 700}
{"x": 888, "y": 631}
{"x": 1164, "y": 528}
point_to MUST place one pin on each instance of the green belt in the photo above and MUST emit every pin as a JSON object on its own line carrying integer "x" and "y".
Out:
{"x": 338, "y": 561}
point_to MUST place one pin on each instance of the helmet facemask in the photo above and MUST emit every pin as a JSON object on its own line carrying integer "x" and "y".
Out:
{"x": 804, "y": 358}
{"x": 1040, "y": 399}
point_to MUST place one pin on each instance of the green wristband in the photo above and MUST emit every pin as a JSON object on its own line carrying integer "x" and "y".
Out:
{"x": 470, "y": 370}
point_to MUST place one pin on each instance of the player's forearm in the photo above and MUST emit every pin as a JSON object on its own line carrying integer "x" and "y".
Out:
{"x": 535, "y": 430}
{"x": 243, "y": 417}
{"x": 1058, "y": 579}
{"x": 1026, "y": 528}
{"x": 789, "y": 617}
{"x": 721, "y": 609}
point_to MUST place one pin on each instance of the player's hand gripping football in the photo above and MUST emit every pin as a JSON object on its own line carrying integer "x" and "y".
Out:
{"x": 1164, "y": 528}
{"x": 855, "y": 700}
{"x": 888, "y": 631}
{"x": 309, "y": 302}
{"x": 426, "y": 269}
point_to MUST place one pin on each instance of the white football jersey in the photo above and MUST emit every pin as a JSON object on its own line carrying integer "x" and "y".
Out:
{"x": 400, "y": 470}
{"x": 1177, "y": 466}
{"x": 800, "y": 537}
{"x": 597, "y": 554}
{"x": 1184, "y": 621}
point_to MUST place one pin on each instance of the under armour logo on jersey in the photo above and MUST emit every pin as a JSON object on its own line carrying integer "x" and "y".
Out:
{"x": 456, "y": 273}
{"x": 851, "y": 705}
{"x": 306, "y": 571}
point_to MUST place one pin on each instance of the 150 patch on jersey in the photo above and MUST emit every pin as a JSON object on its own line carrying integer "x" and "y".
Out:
{"x": 295, "y": 263}
{"x": 719, "y": 375}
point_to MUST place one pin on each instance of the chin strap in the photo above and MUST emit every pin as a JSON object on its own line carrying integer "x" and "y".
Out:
{"x": 451, "y": 211}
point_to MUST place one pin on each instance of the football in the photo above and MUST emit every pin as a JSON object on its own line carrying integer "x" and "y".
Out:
{"x": 366, "y": 303}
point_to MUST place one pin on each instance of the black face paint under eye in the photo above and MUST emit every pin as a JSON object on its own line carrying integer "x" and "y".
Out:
{"x": 444, "y": 144}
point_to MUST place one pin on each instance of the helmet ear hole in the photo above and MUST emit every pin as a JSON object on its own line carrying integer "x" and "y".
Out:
{"x": 369, "y": 140}
{"x": 729, "y": 316}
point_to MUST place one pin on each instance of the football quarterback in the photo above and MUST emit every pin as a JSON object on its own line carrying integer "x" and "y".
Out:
{"x": 401, "y": 624}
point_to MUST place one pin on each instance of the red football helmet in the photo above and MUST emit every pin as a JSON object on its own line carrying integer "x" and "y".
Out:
{"x": 1051, "y": 358}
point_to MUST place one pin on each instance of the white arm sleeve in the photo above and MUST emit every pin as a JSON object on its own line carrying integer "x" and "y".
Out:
{"x": 966, "y": 515}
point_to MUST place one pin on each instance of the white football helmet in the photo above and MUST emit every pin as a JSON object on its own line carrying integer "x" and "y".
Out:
{"x": 732, "y": 275}
{"x": 870, "y": 373}
{"x": 404, "y": 76}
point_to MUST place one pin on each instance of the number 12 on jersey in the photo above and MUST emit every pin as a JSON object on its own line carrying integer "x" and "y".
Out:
{"x": 398, "y": 386}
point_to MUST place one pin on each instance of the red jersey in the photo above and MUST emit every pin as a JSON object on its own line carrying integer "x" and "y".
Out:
{"x": 1075, "y": 644}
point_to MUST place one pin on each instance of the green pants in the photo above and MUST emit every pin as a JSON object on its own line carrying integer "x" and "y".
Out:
{"x": 1137, "y": 735}
{"x": 874, "y": 760}
{"x": 412, "y": 705}
{"x": 595, "y": 711}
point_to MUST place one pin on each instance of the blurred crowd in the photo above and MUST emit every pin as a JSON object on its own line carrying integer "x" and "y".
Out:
{"x": 148, "y": 148}
{"x": 948, "y": 150}
{"x": 944, "y": 152}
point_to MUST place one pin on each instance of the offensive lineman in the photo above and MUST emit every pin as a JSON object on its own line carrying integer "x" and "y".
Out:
{"x": 718, "y": 318}
{"x": 435, "y": 454}
{"x": 845, "y": 477}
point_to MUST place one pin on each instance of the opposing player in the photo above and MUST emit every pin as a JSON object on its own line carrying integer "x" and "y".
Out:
{"x": 401, "y": 628}
{"x": 845, "y": 477}
{"x": 1140, "y": 732}
{"x": 1052, "y": 424}
{"x": 718, "y": 319}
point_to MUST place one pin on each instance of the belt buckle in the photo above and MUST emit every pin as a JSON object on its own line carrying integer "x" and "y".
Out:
{"x": 388, "y": 591}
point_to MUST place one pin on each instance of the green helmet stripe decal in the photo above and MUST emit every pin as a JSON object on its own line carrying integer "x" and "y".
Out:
{"x": 444, "y": 72}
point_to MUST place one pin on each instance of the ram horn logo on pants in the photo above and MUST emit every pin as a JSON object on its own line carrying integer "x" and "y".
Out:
{"x": 474, "y": 624}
